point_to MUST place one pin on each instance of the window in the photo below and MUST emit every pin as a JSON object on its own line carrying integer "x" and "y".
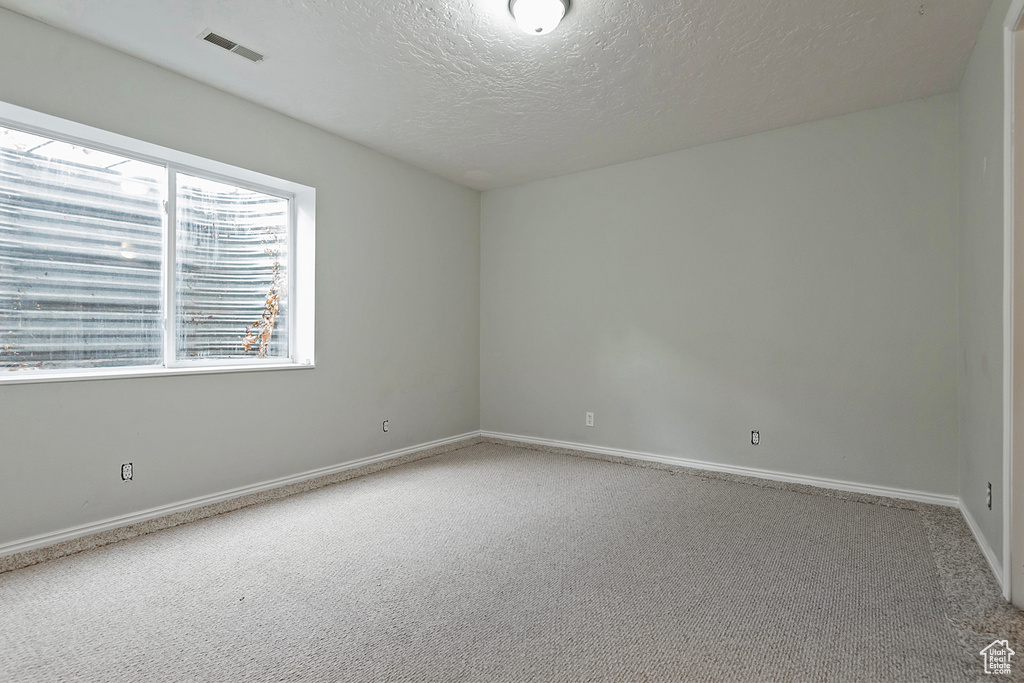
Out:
{"x": 230, "y": 272}
{"x": 120, "y": 257}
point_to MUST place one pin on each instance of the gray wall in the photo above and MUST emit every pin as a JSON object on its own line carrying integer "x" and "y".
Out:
{"x": 981, "y": 278}
{"x": 801, "y": 282}
{"x": 397, "y": 311}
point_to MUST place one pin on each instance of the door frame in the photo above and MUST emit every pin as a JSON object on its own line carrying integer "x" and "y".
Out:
{"x": 1012, "y": 578}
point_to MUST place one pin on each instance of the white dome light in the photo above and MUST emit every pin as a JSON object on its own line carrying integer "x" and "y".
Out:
{"x": 537, "y": 17}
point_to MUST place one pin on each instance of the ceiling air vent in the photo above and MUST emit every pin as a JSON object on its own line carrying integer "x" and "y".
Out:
{"x": 232, "y": 46}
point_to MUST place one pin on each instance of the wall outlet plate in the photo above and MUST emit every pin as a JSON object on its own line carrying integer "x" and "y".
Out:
{"x": 590, "y": 419}
{"x": 127, "y": 471}
{"x": 755, "y": 437}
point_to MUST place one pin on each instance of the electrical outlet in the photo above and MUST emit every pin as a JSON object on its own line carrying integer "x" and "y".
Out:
{"x": 988, "y": 496}
{"x": 126, "y": 472}
{"x": 590, "y": 419}
{"x": 755, "y": 437}
{"x": 385, "y": 426}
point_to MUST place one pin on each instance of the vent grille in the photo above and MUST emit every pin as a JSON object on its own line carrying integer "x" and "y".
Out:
{"x": 220, "y": 41}
{"x": 251, "y": 55}
{"x": 232, "y": 46}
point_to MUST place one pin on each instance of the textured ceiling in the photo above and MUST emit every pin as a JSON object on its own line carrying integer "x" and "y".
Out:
{"x": 452, "y": 86}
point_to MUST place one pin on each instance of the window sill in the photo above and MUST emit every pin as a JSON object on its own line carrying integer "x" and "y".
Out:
{"x": 38, "y": 377}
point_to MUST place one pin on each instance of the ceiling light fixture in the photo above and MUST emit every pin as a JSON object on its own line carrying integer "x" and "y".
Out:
{"x": 537, "y": 17}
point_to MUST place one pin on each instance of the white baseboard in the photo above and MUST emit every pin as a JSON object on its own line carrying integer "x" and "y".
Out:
{"x": 44, "y": 540}
{"x": 835, "y": 484}
{"x": 986, "y": 549}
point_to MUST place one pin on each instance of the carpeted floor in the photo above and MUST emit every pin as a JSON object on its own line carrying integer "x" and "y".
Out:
{"x": 499, "y": 563}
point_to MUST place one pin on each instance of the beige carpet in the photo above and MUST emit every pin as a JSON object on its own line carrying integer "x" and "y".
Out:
{"x": 495, "y": 563}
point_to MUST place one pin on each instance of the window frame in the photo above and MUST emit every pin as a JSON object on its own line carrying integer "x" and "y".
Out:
{"x": 170, "y": 299}
{"x": 300, "y": 275}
